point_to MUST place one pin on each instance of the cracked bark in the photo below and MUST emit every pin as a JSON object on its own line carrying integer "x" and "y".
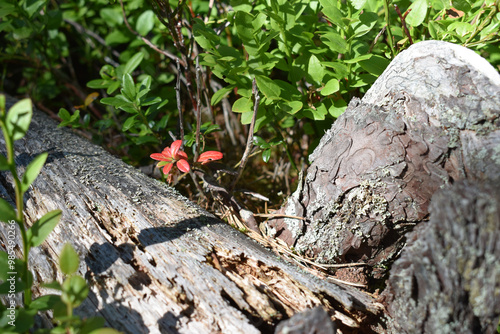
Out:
{"x": 430, "y": 119}
{"x": 155, "y": 262}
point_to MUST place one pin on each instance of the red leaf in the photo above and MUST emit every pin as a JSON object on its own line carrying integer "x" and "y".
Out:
{"x": 208, "y": 156}
{"x": 159, "y": 156}
{"x": 174, "y": 148}
{"x": 183, "y": 165}
{"x": 167, "y": 169}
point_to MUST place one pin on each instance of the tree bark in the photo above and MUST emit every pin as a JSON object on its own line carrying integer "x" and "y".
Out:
{"x": 155, "y": 262}
{"x": 448, "y": 277}
{"x": 430, "y": 119}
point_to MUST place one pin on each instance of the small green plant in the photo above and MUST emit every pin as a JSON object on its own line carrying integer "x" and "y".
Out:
{"x": 15, "y": 276}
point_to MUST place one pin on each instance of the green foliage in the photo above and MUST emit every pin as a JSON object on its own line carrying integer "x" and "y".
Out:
{"x": 309, "y": 58}
{"x": 15, "y": 276}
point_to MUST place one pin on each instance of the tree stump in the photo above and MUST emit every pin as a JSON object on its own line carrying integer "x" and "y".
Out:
{"x": 155, "y": 262}
{"x": 430, "y": 119}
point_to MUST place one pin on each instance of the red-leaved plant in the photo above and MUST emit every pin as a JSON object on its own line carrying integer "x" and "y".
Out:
{"x": 173, "y": 154}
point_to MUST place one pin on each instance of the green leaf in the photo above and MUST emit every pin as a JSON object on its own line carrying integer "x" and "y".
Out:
{"x": 4, "y": 164}
{"x": 111, "y": 16}
{"x": 291, "y": 107}
{"x": 64, "y": 114}
{"x": 418, "y": 13}
{"x": 129, "y": 123}
{"x": 461, "y": 28}
{"x": 7, "y": 212}
{"x": 266, "y": 155}
{"x": 204, "y": 36}
{"x": 315, "y": 70}
{"x": 128, "y": 87}
{"x": 259, "y": 141}
{"x": 331, "y": 87}
{"x": 150, "y": 101}
{"x": 45, "y": 302}
{"x": 335, "y": 42}
{"x": 341, "y": 71}
{"x": 52, "y": 285}
{"x": 117, "y": 101}
{"x": 463, "y": 5}
{"x": 337, "y": 108}
{"x": 133, "y": 62}
{"x": 5, "y": 287}
{"x": 32, "y": 171}
{"x": 367, "y": 21}
{"x": 244, "y": 25}
{"x": 220, "y": 94}
{"x": 92, "y": 325}
{"x": 331, "y": 11}
{"x": 358, "y": 4}
{"x": 375, "y": 65}
{"x": 268, "y": 87}
{"x": 243, "y": 105}
{"x": 75, "y": 290}
{"x": 145, "y": 22}
{"x": 358, "y": 59}
{"x": 117, "y": 37}
{"x": 113, "y": 87}
{"x": 99, "y": 83}
{"x": 19, "y": 119}
{"x": 68, "y": 260}
{"x": 33, "y": 7}
{"x": 39, "y": 231}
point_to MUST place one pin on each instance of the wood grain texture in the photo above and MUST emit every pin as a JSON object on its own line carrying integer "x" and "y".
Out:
{"x": 155, "y": 262}
{"x": 430, "y": 119}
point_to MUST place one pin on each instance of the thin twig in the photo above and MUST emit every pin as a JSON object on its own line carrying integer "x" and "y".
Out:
{"x": 403, "y": 22}
{"x": 210, "y": 7}
{"x": 249, "y": 145}
{"x": 198, "y": 109}
{"x": 147, "y": 41}
{"x": 276, "y": 215}
{"x": 178, "y": 98}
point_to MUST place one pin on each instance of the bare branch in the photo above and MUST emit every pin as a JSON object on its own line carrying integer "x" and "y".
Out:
{"x": 178, "y": 98}
{"x": 249, "y": 145}
{"x": 147, "y": 41}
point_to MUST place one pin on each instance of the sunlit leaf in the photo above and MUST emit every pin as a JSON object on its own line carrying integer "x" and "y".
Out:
{"x": 32, "y": 171}
{"x": 145, "y": 22}
{"x": 19, "y": 118}
{"x": 39, "y": 231}
{"x": 68, "y": 260}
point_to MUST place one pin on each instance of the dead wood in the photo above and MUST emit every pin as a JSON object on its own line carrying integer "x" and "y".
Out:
{"x": 448, "y": 277}
{"x": 430, "y": 119}
{"x": 155, "y": 262}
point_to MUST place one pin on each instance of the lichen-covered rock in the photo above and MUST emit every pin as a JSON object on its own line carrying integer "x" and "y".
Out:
{"x": 447, "y": 279}
{"x": 432, "y": 117}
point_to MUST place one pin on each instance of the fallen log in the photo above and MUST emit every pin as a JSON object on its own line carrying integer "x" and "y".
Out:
{"x": 155, "y": 262}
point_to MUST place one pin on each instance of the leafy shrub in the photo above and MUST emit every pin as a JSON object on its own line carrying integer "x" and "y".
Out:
{"x": 170, "y": 70}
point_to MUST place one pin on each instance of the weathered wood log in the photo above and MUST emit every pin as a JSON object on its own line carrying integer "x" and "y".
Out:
{"x": 448, "y": 277}
{"x": 155, "y": 262}
{"x": 431, "y": 118}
